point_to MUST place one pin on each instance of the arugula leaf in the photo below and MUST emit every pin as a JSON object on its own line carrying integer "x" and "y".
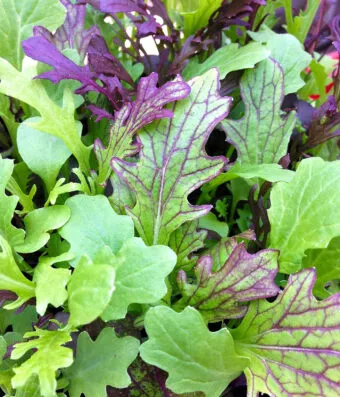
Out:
{"x": 7, "y": 206}
{"x": 43, "y": 153}
{"x": 89, "y": 279}
{"x": 173, "y": 162}
{"x": 101, "y": 363}
{"x": 292, "y": 342}
{"x": 327, "y": 265}
{"x": 288, "y": 52}
{"x": 140, "y": 272}
{"x": 228, "y": 59}
{"x": 51, "y": 282}
{"x": 12, "y": 279}
{"x": 55, "y": 120}
{"x": 17, "y": 19}
{"x": 94, "y": 224}
{"x": 186, "y": 240}
{"x": 221, "y": 294}
{"x": 49, "y": 357}
{"x": 298, "y": 217}
{"x": 38, "y": 223}
{"x": 261, "y": 136}
{"x": 132, "y": 117}
{"x": 175, "y": 345}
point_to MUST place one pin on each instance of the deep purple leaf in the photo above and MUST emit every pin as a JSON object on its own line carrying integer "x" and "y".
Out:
{"x": 114, "y": 6}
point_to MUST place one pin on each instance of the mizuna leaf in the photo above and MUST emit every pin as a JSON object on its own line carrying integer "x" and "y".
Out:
{"x": 228, "y": 59}
{"x": 261, "y": 136}
{"x": 93, "y": 225}
{"x": 327, "y": 264}
{"x": 147, "y": 107}
{"x": 12, "y": 279}
{"x": 7, "y": 206}
{"x": 50, "y": 282}
{"x": 288, "y": 52}
{"x": 195, "y": 358}
{"x": 186, "y": 240}
{"x": 101, "y": 363}
{"x": 222, "y": 294}
{"x": 50, "y": 355}
{"x": 38, "y": 223}
{"x": 298, "y": 215}
{"x": 292, "y": 343}
{"x": 55, "y": 120}
{"x": 140, "y": 273}
{"x": 89, "y": 280}
{"x": 17, "y": 19}
{"x": 173, "y": 162}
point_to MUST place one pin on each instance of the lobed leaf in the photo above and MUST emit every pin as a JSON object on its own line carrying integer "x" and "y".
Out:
{"x": 173, "y": 162}
{"x": 292, "y": 343}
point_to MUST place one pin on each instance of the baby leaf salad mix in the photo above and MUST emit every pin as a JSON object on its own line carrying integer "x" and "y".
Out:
{"x": 169, "y": 198}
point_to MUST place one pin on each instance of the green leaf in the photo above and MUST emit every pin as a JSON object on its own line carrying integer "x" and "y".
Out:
{"x": 228, "y": 59}
{"x": 89, "y": 280}
{"x": 210, "y": 222}
{"x": 43, "y": 153}
{"x": 327, "y": 264}
{"x": 261, "y": 136}
{"x": 55, "y": 120}
{"x": 30, "y": 389}
{"x": 288, "y": 52}
{"x": 195, "y": 358}
{"x": 223, "y": 294}
{"x": 186, "y": 240}
{"x": 93, "y": 225}
{"x": 317, "y": 80}
{"x": 51, "y": 282}
{"x": 174, "y": 163}
{"x": 7, "y": 206}
{"x": 38, "y": 223}
{"x": 140, "y": 272}
{"x": 298, "y": 215}
{"x": 292, "y": 343}
{"x": 12, "y": 279}
{"x": 101, "y": 363}
{"x": 49, "y": 357}
{"x": 8, "y": 117}
{"x": 17, "y": 19}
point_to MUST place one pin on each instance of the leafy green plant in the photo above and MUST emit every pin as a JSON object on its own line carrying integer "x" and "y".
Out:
{"x": 169, "y": 194}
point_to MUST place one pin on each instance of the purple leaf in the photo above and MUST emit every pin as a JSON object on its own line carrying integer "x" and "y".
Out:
{"x": 292, "y": 343}
{"x": 173, "y": 162}
{"x": 147, "y": 107}
{"x": 114, "y": 6}
{"x": 242, "y": 278}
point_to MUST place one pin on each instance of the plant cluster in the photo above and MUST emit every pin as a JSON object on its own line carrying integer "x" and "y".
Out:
{"x": 169, "y": 198}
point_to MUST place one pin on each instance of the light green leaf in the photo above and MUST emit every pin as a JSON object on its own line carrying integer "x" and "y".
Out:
{"x": 7, "y": 206}
{"x": 30, "y": 389}
{"x": 55, "y": 120}
{"x": 51, "y": 282}
{"x": 43, "y": 153}
{"x": 89, "y": 280}
{"x": 327, "y": 264}
{"x": 261, "y": 136}
{"x": 210, "y": 222}
{"x": 12, "y": 279}
{"x": 17, "y": 18}
{"x": 195, "y": 358}
{"x": 317, "y": 80}
{"x": 49, "y": 357}
{"x": 288, "y": 52}
{"x": 228, "y": 59}
{"x": 292, "y": 343}
{"x": 140, "y": 272}
{"x": 93, "y": 225}
{"x": 38, "y": 223}
{"x": 298, "y": 215}
{"x": 101, "y": 363}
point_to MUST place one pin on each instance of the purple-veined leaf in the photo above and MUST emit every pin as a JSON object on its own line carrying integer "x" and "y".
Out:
{"x": 261, "y": 136}
{"x": 222, "y": 294}
{"x": 292, "y": 343}
{"x": 173, "y": 161}
{"x": 147, "y": 107}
